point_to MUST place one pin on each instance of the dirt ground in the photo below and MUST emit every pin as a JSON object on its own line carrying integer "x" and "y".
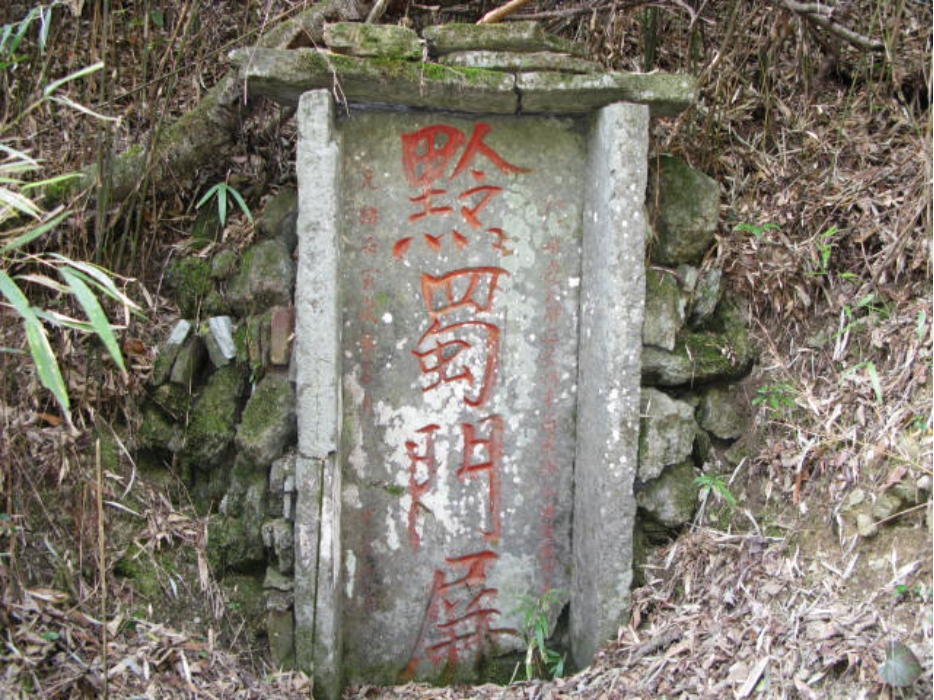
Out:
{"x": 807, "y": 588}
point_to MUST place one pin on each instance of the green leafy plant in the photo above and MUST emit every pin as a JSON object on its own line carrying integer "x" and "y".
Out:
{"x": 12, "y": 35}
{"x": 855, "y": 315}
{"x": 758, "y": 231}
{"x": 716, "y": 484}
{"x": 221, "y": 191}
{"x": 22, "y": 270}
{"x": 540, "y": 659}
{"x": 873, "y": 375}
{"x": 776, "y": 396}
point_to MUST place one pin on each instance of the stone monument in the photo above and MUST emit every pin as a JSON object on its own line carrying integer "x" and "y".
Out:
{"x": 469, "y": 306}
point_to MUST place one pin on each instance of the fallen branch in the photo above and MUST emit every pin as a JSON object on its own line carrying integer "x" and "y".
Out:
{"x": 206, "y": 133}
{"x": 822, "y": 16}
{"x": 498, "y": 14}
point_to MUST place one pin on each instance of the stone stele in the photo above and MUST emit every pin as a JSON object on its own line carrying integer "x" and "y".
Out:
{"x": 468, "y": 333}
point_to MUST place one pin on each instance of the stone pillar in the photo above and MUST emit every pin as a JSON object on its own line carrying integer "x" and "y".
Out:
{"x": 613, "y": 290}
{"x": 317, "y": 372}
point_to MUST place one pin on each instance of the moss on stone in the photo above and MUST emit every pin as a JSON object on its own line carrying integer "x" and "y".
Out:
{"x": 190, "y": 280}
{"x": 213, "y": 418}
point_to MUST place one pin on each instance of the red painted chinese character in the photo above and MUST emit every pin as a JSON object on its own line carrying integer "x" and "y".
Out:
{"x": 475, "y": 146}
{"x": 428, "y": 208}
{"x": 450, "y": 354}
{"x": 422, "y": 471}
{"x": 472, "y": 287}
{"x": 427, "y": 152}
{"x": 470, "y": 215}
{"x": 369, "y": 216}
{"x": 460, "y": 614}
{"x": 484, "y": 455}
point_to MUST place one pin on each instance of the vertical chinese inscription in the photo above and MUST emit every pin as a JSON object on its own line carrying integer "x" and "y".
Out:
{"x": 460, "y": 319}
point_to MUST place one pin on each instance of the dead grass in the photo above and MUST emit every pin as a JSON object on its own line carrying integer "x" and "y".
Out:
{"x": 806, "y": 135}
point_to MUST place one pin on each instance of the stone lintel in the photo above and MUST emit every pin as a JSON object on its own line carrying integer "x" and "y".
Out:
{"x": 666, "y": 94}
{"x": 511, "y": 36}
{"x": 373, "y": 40}
{"x": 510, "y": 62}
{"x": 284, "y": 75}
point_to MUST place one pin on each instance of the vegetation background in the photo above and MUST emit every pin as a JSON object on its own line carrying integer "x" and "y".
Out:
{"x": 821, "y": 141}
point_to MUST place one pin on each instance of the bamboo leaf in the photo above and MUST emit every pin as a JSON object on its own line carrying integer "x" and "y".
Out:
{"x": 238, "y": 198}
{"x": 14, "y": 200}
{"x": 68, "y": 102}
{"x": 46, "y": 365}
{"x": 47, "y": 368}
{"x": 56, "y": 84}
{"x": 34, "y": 233}
{"x": 64, "y": 321}
{"x": 99, "y": 277}
{"x": 96, "y": 315}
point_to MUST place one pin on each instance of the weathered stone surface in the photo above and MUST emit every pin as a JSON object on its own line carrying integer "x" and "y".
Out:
{"x": 266, "y": 278}
{"x": 666, "y": 94}
{"x": 522, "y": 292}
{"x": 508, "y": 62}
{"x": 706, "y": 296}
{"x": 702, "y": 357}
{"x": 511, "y": 36}
{"x": 162, "y": 367}
{"x": 157, "y": 432}
{"x": 268, "y": 422}
{"x": 281, "y": 329}
{"x": 277, "y": 210}
{"x": 188, "y": 362}
{"x": 190, "y": 280}
{"x": 373, "y": 40}
{"x": 285, "y": 75}
{"x": 280, "y": 629}
{"x": 236, "y": 543}
{"x": 664, "y": 309}
{"x": 612, "y": 295}
{"x": 688, "y": 211}
{"x": 213, "y": 418}
{"x": 282, "y": 487}
{"x": 671, "y": 498}
{"x": 252, "y": 340}
{"x": 224, "y": 264}
{"x": 218, "y": 338}
{"x": 318, "y": 557}
{"x": 666, "y": 434}
{"x": 278, "y": 537}
{"x": 719, "y": 413}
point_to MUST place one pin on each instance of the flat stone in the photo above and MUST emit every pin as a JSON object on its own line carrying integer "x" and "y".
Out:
{"x": 703, "y": 356}
{"x": 511, "y": 36}
{"x": 285, "y": 75}
{"x": 664, "y": 309}
{"x": 719, "y": 413}
{"x": 162, "y": 367}
{"x": 211, "y": 429}
{"x": 188, "y": 362}
{"x": 281, "y": 329}
{"x": 666, "y": 435}
{"x": 671, "y": 499}
{"x": 219, "y": 340}
{"x": 509, "y": 62}
{"x": 373, "y": 40}
{"x": 268, "y": 422}
{"x": 706, "y": 297}
{"x": 276, "y": 210}
{"x": 266, "y": 278}
{"x": 688, "y": 212}
{"x": 666, "y": 94}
